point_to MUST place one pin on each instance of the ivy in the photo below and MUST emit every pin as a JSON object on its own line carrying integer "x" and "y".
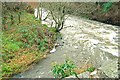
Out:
{"x": 106, "y": 6}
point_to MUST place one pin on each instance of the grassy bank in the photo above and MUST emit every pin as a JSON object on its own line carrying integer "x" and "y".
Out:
{"x": 24, "y": 44}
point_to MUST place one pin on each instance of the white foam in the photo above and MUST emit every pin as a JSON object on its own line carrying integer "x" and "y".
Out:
{"x": 93, "y": 41}
{"x": 114, "y": 52}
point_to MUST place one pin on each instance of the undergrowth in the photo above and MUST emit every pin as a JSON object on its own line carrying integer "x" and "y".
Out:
{"x": 24, "y": 43}
{"x": 69, "y": 68}
{"x": 64, "y": 70}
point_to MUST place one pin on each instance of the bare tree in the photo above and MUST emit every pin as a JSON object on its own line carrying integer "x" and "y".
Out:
{"x": 58, "y": 17}
{"x": 39, "y": 11}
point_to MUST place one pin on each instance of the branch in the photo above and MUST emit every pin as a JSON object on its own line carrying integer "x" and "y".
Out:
{"x": 46, "y": 16}
{"x": 53, "y": 17}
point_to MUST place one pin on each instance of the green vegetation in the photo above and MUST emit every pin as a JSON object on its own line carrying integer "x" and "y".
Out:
{"x": 26, "y": 41}
{"x": 59, "y": 17}
{"x": 91, "y": 69}
{"x": 64, "y": 70}
{"x": 24, "y": 44}
{"x": 58, "y": 13}
{"x": 107, "y": 6}
{"x": 106, "y": 12}
{"x": 69, "y": 69}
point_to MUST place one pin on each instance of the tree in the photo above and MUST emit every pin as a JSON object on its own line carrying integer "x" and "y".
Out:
{"x": 58, "y": 16}
{"x": 4, "y": 17}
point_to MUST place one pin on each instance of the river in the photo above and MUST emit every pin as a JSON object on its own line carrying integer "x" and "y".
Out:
{"x": 83, "y": 41}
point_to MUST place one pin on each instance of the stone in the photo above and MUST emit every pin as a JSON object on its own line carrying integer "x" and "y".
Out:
{"x": 110, "y": 68}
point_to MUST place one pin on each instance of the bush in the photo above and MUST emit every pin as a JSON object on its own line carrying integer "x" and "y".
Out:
{"x": 106, "y": 6}
{"x": 64, "y": 70}
{"x": 9, "y": 47}
{"x": 6, "y": 69}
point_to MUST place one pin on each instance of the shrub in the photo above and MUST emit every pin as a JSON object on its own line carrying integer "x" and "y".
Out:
{"x": 91, "y": 69}
{"x": 106, "y": 6}
{"x": 64, "y": 70}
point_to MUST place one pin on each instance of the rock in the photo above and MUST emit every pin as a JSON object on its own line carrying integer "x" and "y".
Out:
{"x": 94, "y": 72}
{"x": 110, "y": 69}
{"x": 82, "y": 75}
{"x": 18, "y": 76}
{"x": 101, "y": 74}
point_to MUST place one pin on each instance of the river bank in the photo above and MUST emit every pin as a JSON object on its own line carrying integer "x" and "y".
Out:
{"x": 83, "y": 41}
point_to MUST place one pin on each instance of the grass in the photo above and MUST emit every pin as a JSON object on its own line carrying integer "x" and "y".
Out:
{"x": 24, "y": 44}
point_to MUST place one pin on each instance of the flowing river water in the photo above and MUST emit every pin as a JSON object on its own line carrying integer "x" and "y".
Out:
{"x": 83, "y": 41}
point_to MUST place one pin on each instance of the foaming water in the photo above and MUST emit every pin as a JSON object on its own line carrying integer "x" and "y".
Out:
{"x": 84, "y": 41}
